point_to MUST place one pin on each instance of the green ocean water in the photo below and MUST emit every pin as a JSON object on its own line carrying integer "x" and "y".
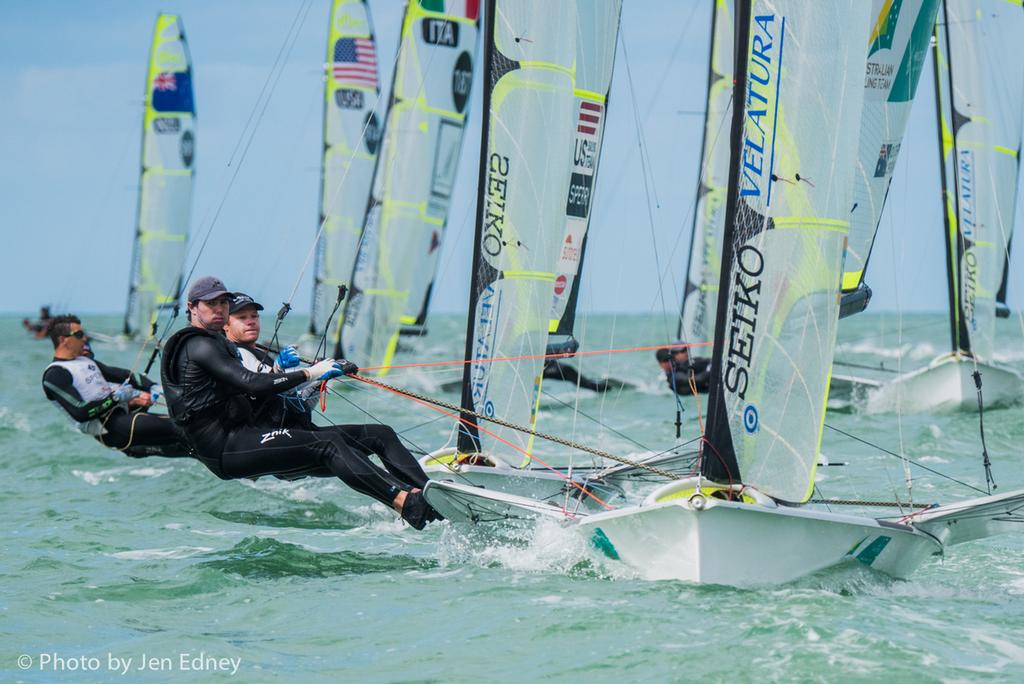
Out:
{"x": 108, "y": 556}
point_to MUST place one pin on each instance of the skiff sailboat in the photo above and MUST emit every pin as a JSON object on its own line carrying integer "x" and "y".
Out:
{"x": 165, "y": 184}
{"x": 548, "y": 69}
{"x": 744, "y": 518}
{"x": 980, "y": 107}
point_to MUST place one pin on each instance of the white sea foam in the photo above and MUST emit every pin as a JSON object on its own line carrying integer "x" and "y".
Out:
{"x": 150, "y": 554}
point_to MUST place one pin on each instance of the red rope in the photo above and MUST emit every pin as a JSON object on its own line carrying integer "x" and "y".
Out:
{"x": 466, "y": 421}
{"x": 562, "y": 355}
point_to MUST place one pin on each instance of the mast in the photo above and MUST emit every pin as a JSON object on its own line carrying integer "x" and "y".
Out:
{"x": 950, "y": 201}
{"x": 718, "y": 457}
{"x": 469, "y": 436}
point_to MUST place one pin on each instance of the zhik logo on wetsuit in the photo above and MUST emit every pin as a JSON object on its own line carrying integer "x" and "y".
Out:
{"x": 267, "y": 436}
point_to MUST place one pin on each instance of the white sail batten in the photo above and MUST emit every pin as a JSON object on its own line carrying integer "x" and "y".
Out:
{"x": 700, "y": 297}
{"x": 414, "y": 179}
{"x": 535, "y": 51}
{"x": 786, "y": 230}
{"x": 351, "y": 136}
{"x": 981, "y": 87}
{"x": 165, "y": 188}
{"x": 897, "y": 46}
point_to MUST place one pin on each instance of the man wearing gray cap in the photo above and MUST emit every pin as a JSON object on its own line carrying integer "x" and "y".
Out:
{"x": 208, "y": 396}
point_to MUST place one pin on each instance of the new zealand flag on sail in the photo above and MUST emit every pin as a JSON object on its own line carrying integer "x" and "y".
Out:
{"x": 172, "y": 92}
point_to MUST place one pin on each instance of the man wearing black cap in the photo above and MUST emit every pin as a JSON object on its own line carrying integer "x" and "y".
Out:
{"x": 208, "y": 396}
{"x": 676, "y": 363}
{"x": 292, "y": 409}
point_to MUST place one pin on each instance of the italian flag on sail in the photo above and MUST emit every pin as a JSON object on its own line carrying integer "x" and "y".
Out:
{"x": 461, "y": 8}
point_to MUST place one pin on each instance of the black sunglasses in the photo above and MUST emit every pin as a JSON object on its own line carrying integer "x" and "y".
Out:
{"x": 78, "y": 334}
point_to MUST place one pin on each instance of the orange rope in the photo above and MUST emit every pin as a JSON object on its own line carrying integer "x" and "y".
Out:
{"x": 562, "y": 355}
{"x": 466, "y": 421}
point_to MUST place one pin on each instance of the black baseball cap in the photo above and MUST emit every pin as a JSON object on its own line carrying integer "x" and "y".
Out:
{"x": 240, "y": 300}
{"x": 207, "y": 288}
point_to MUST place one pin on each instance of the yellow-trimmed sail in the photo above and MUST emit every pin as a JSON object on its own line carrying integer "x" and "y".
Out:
{"x": 351, "y": 139}
{"x": 414, "y": 179}
{"x": 165, "y": 186}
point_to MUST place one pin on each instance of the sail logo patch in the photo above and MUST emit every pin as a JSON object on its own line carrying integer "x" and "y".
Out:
{"x": 560, "y": 283}
{"x": 967, "y": 223}
{"x": 488, "y": 315}
{"x": 886, "y": 160}
{"x": 751, "y": 419}
{"x": 746, "y": 293}
{"x": 462, "y": 79}
{"x": 440, "y": 32}
{"x": 493, "y": 240}
{"x": 762, "y": 108}
{"x": 166, "y": 124}
{"x": 187, "y": 147}
{"x": 349, "y": 98}
{"x": 578, "y": 203}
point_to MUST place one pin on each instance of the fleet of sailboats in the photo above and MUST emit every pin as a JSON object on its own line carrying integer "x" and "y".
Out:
{"x": 807, "y": 105}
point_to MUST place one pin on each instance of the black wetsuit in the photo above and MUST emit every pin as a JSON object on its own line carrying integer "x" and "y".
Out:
{"x": 554, "y": 370}
{"x": 134, "y": 431}
{"x": 365, "y": 439}
{"x": 678, "y": 376}
{"x": 208, "y": 394}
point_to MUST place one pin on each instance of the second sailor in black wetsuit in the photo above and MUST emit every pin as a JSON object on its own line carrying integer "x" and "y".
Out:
{"x": 208, "y": 395}
{"x": 106, "y": 402}
{"x": 293, "y": 409}
{"x": 677, "y": 364}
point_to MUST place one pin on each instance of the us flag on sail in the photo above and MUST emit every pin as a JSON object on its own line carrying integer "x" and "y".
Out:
{"x": 355, "y": 61}
{"x": 590, "y": 117}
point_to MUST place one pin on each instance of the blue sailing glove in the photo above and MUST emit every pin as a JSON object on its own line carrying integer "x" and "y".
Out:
{"x": 288, "y": 357}
{"x": 155, "y": 392}
{"x": 327, "y": 369}
{"x": 123, "y": 393}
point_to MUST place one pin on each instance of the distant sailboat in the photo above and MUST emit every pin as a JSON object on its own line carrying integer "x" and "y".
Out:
{"x": 351, "y": 137}
{"x": 393, "y": 274}
{"x": 979, "y": 81}
{"x": 742, "y": 521}
{"x": 165, "y": 184}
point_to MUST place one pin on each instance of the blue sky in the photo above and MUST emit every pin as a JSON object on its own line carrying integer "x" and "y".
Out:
{"x": 73, "y": 75}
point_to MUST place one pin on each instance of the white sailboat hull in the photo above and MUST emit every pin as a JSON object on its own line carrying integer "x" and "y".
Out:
{"x": 946, "y": 384}
{"x": 749, "y": 544}
{"x": 539, "y": 484}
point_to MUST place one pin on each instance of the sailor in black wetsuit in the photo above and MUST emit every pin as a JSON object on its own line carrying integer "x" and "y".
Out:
{"x": 293, "y": 409}
{"x": 208, "y": 395}
{"x": 106, "y": 402}
{"x": 557, "y": 370}
{"x": 677, "y": 364}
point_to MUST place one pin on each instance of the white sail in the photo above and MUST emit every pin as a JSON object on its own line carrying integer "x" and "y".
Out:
{"x": 981, "y": 86}
{"x": 897, "y": 47}
{"x": 786, "y": 230}
{"x": 700, "y": 296}
{"x": 165, "y": 187}
{"x": 414, "y": 179}
{"x": 597, "y": 25}
{"x": 534, "y": 50}
{"x": 351, "y": 137}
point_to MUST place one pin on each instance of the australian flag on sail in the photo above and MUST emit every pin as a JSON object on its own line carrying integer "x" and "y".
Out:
{"x": 355, "y": 61}
{"x": 172, "y": 92}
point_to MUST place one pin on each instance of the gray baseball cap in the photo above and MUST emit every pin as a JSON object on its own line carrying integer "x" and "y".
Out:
{"x": 207, "y": 288}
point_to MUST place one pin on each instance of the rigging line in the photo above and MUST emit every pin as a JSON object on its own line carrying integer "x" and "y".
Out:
{"x": 904, "y": 458}
{"x": 370, "y": 416}
{"x": 644, "y": 173}
{"x": 426, "y": 401}
{"x": 865, "y": 366}
{"x": 561, "y": 355}
{"x": 595, "y": 420}
{"x": 423, "y": 399}
{"x": 272, "y": 80}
